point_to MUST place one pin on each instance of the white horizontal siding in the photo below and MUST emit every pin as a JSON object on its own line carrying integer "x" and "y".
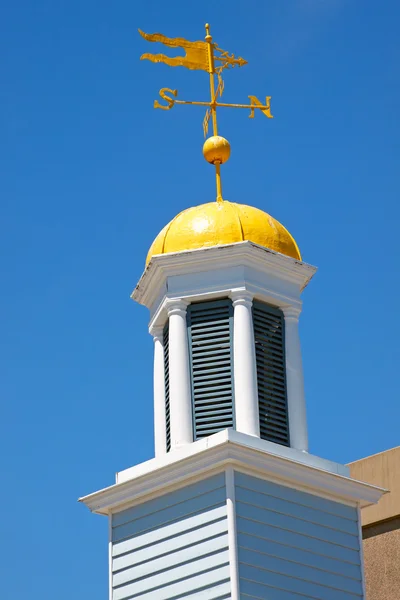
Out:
{"x": 253, "y": 590}
{"x": 170, "y": 514}
{"x": 296, "y": 496}
{"x": 268, "y": 580}
{"x": 285, "y": 521}
{"x": 169, "y": 561}
{"x": 299, "y": 511}
{"x": 174, "y": 545}
{"x": 293, "y": 545}
{"x": 302, "y": 541}
{"x": 297, "y": 554}
{"x": 200, "y": 587}
{"x": 299, "y": 570}
{"x": 171, "y": 537}
{"x": 178, "y": 497}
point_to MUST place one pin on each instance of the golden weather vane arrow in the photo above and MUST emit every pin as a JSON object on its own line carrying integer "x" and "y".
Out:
{"x": 204, "y": 56}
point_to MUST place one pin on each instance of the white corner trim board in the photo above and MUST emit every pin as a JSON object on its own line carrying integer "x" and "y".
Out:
{"x": 243, "y": 452}
{"x": 232, "y": 533}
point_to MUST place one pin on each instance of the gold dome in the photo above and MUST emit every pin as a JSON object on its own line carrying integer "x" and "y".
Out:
{"x": 217, "y": 223}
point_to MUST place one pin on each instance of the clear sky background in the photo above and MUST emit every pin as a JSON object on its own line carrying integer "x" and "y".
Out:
{"x": 90, "y": 173}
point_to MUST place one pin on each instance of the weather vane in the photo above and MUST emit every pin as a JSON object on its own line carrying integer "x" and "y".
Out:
{"x": 204, "y": 56}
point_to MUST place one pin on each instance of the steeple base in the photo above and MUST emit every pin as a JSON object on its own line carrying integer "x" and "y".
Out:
{"x": 233, "y": 516}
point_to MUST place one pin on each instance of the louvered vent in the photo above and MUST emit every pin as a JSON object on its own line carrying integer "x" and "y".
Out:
{"x": 166, "y": 373}
{"x": 211, "y": 355}
{"x": 269, "y": 336}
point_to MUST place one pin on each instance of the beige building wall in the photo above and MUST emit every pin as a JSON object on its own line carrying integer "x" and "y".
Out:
{"x": 381, "y": 525}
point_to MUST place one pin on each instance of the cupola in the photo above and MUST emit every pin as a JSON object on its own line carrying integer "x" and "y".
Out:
{"x": 223, "y": 283}
{"x": 227, "y": 353}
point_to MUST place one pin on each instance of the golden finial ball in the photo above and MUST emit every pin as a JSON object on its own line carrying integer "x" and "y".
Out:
{"x": 216, "y": 149}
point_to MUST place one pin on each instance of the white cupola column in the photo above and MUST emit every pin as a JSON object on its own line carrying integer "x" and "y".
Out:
{"x": 244, "y": 364}
{"x": 180, "y": 397}
{"x": 160, "y": 428}
{"x": 295, "y": 381}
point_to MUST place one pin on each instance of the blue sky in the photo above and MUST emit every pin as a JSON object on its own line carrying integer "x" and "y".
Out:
{"x": 90, "y": 173}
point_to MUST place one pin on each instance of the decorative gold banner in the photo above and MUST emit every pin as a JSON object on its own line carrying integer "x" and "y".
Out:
{"x": 196, "y": 55}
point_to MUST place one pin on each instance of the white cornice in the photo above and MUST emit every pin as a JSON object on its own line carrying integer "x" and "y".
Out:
{"x": 229, "y": 448}
{"x": 224, "y": 256}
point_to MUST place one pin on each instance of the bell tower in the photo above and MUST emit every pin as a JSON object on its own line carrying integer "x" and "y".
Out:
{"x": 233, "y": 505}
{"x": 225, "y": 325}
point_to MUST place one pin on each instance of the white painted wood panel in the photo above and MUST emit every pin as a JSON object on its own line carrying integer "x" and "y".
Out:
{"x": 169, "y": 561}
{"x": 297, "y": 496}
{"x": 268, "y": 532}
{"x": 201, "y": 587}
{"x": 297, "y": 525}
{"x": 268, "y": 580}
{"x": 169, "y": 514}
{"x": 174, "y": 545}
{"x": 315, "y": 574}
{"x": 172, "y": 499}
{"x": 293, "y": 545}
{"x": 298, "y": 555}
{"x": 154, "y": 545}
{"x": 299, "y": 511}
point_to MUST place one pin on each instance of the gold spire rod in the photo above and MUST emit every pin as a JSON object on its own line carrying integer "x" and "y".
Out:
{"x": 213, "y": 107}
{"x": 210, "y": 50}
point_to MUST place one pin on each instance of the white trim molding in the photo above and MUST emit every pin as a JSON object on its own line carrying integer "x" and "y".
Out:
{"x": 190, "y": 274}
{"x": 232, "y": 533}
{"x": 110, "y": 559}
{"x": 360, "y": 537}
{"x": 242, "y": 452}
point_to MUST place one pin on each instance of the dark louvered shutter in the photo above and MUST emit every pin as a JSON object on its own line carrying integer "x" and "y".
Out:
{"x": 269, "y": 334}
{"x": 166, "y": 375}
{"x": 211, "y": 355}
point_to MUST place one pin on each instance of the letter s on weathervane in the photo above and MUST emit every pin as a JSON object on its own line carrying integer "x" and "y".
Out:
{"x": 170, "y": 101}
